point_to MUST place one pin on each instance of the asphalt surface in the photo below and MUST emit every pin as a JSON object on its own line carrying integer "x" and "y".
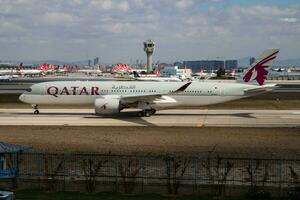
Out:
{"x": 180, "y": 118}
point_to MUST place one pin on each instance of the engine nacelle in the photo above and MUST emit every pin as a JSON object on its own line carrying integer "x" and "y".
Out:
{"x": 107, "y": 106}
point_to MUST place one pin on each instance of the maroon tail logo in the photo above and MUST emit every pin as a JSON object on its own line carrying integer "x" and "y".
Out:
{"x": 260, "y": 70}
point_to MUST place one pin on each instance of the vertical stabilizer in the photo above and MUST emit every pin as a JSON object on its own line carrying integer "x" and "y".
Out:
{"x": 258, "y": 69}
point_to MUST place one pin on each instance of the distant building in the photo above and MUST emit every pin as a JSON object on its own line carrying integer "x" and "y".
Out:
{"x": 96, "y": 61}
{"x": 196, "y": 66}
{"x": 251, "y": 60}
{"x": 168, "y": 71}
{"x": 179, "y": 64}
{"x": 231, "y": 64}
{"x": 89, "y": 62}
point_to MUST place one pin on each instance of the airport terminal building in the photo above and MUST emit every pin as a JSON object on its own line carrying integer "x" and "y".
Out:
{"x": 208, "y": 65}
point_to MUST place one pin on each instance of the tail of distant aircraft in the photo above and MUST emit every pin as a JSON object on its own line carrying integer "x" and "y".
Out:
{"x": 157, "y": 72}
{"x": 20, "y": 67}
{"x": 135, "y": 74}
{"x": 232, "y": 73}
{"x": 258, "y": 70}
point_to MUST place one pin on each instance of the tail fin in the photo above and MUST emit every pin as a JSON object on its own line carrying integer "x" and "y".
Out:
{"x": 20, "y": 67}
{"x": 157, "y": 72}
{"x": 257, "y": 70}
{"x": 135, "y": 74}
{"x": 232, "y": 73}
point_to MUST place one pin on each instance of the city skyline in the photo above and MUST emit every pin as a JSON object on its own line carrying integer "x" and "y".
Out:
{"x": 116, "y": 29}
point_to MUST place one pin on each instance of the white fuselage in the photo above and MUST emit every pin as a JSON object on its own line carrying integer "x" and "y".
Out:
{"x": 86, "y": 92}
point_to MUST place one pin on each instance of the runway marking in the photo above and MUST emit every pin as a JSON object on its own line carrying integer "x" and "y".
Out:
{"x": 200, "y": 125}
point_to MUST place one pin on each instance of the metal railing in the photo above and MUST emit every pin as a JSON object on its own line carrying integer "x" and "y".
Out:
{"x": 188, "y": 170}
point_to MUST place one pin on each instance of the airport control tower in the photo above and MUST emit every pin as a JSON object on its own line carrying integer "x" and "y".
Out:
{"x": 149, "y": 48}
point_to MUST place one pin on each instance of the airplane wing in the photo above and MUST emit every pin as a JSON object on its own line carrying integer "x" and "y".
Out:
{"x": 263, "y": 89}
{"x": 151, "y": 97}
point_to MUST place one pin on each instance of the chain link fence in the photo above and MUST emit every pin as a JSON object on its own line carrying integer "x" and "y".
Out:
{"x": 168, "y": 174}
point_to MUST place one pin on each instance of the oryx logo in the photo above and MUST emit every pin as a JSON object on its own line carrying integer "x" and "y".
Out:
{"x": 258, "y": 71}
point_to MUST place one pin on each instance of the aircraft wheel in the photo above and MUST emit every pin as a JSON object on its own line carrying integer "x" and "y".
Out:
{"x": 36, "y": 112}
{"x": 153, "y": 111}
{"x": 148, "y": 113}
{"x": 140, "y": 114}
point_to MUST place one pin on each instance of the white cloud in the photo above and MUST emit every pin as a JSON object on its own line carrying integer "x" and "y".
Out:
{"x": 289, "y": 19}
{"x": 118, "y": 27}
{"x": 199, "y": 27}
{"x": 58, "y": 18}
{"x": 124, "y": 6}
{"x": 109, "y": 4}
{"x": 264, "y": 10}
{"x": 10, "y": 28}
{"x": 183, "y": 4}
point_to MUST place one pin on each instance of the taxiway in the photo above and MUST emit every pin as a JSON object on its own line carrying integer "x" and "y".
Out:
{"x": 185, "y": 118}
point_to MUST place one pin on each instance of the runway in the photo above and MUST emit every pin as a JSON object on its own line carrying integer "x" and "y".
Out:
{"x": 182, "y": 118}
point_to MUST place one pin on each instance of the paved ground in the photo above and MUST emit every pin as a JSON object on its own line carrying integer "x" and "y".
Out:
{"x": 186, "y": 118}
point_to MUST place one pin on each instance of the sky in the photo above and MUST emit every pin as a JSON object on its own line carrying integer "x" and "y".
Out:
{"x": 114, "y": 30}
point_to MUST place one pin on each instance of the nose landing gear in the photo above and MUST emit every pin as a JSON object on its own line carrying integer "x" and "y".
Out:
{"x": 146, "y": 113}
{"x": 36, "y": 111}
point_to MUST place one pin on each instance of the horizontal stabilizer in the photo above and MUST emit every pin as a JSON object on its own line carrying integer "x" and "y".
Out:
{"x": 259, "y": 90}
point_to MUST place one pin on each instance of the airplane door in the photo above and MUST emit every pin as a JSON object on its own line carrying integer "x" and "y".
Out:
{"x": 43, "y": 90}
{"x": 221, "y": 91}
{"x": 215, "y": 91}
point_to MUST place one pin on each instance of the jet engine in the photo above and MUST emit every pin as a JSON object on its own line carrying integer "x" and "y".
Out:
{"x": 106, "y": 106}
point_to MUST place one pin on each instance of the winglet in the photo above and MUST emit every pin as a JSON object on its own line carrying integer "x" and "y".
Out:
{"x": 182, "y": 88}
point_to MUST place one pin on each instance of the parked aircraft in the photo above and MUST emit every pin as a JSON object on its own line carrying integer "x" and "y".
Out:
{"x": 20, "y": 71}
{"x": 90, "y": 72}
{"x": 110, "y": 97}
{"x": 204, "y": 75}
{"x": 154, "y": 78}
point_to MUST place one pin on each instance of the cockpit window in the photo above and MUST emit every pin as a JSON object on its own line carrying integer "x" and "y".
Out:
{"x": 28, "y": 89}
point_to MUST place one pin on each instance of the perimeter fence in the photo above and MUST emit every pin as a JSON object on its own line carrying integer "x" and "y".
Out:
{"x": 162, "y": 174}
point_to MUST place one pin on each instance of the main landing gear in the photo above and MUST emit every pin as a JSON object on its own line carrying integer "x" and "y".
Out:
{"x": 36, "y": 111}
{"x": 146, "y": 113}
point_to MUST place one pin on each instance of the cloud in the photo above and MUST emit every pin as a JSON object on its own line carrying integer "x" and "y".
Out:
{"x": 9, "y": 29}
{"x": 58, "y": 18}
{"x": 115, "y": 29}
{"x": 124, "y": 6}
{"x": 182, "y": 4}
{"x": 109, "y": 5}
{"x": 118, "y": 27}
{"x": 289, "y": 19}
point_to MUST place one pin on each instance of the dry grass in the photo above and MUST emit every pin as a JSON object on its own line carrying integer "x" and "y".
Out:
{"x": 242, "y": 142}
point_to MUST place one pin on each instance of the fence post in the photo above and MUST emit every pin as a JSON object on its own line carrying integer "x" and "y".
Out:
{"x": 116, "y": 166}
{"x": 142, "y": 172}
{"x": 195, "y": 174}
{"x": 40, "y": 160}
{"x": 64, "y": 170}
{"x": 280, "y": 181}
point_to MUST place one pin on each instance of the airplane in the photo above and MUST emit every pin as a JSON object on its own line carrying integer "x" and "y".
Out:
{"x": 95, "y": 71}
{"x": 156, "y": 77}
{"x": 110, "y": 97}
{"x": 12, "y": 71}
{"x": 25, "y": 72}
{"x": 5, "y": 78}
{"x": 21, "y": 71}
{"x": 203, "y": 75}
